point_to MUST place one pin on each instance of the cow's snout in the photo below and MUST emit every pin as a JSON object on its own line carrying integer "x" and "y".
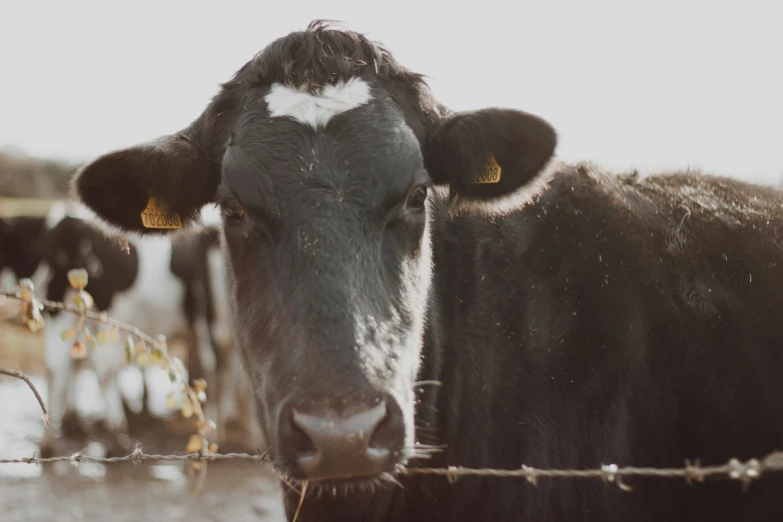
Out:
{"x": 344, "y": 438}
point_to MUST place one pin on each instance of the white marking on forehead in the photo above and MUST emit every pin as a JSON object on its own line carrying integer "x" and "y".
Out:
{"x": 317, "y": 110}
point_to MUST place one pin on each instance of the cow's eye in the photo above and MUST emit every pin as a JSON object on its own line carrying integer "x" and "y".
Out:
{"x": 233, "y": 212}
{"x": 417, "y": 197}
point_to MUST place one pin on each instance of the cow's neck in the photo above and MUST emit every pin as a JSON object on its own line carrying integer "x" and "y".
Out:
{"x": 469, "y": 358}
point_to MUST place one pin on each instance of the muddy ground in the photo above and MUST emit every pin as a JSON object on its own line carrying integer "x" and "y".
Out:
{"x": 233, "y": 491}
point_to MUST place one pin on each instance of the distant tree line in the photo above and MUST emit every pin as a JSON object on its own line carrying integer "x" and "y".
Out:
{"x": 22, "y": 176}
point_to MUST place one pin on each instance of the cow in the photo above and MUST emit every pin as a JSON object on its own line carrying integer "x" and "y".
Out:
{"x": 412, "y": 285}
{"x": 159, "y": 286}
{"x": 22, "y": 241}
{"x": 21, "y": 249}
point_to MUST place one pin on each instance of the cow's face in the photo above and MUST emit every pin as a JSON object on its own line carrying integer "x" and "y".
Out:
{"x": 327, "y": 236}
{"x": 328, "y": 191}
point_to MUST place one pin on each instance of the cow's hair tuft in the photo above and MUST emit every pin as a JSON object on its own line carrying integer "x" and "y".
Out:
{"x": 323, "y": 54}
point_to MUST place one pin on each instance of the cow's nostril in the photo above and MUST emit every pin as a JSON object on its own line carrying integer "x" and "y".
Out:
{"x": 299, "y": 442}
{"x": 357, "y": 439}
{"x": 390, "y": 431}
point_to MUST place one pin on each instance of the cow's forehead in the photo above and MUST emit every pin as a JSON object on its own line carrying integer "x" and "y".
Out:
{"x": 317, "y": 109}
{"x": 342, "y": 137}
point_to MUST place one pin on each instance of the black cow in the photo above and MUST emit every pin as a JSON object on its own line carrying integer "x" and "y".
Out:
{"x": 376, "y": 239}
{"x": 161, "y": 287}
{"x": 22, "y": 251}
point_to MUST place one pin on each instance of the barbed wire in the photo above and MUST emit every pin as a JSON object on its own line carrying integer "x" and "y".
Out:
{"x": 138, "y": 457}
{"x": 735, "y": 469}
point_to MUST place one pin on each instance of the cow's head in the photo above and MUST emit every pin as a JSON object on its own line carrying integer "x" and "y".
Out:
{"x": 329, "y": 161}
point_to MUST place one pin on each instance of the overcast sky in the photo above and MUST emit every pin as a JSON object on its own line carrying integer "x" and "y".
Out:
{"x": 652, "y": 86}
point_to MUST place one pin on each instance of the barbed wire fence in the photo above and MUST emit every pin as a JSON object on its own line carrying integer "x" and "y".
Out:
{"x": 199, "y": 451}
{"x": 735, "y": 469}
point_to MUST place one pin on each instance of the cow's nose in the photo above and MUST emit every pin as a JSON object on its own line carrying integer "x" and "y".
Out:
{"x": 343, "y": 439}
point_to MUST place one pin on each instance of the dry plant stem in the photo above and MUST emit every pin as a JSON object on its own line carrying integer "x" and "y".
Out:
{"x": 287, "y": 483}
{"x": 301, "y": 500}
{"x": 146, "y": 338}
{"x": 20, "y": 375}
{"x": 101, "y": 318}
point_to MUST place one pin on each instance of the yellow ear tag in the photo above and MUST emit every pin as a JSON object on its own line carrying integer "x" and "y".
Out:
{"x": 489, "y": 174}
{"x": 159, "y": 215}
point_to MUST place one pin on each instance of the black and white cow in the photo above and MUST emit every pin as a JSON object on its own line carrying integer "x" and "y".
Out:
{"x": 376, "y": 239}
{"x": 160, "y": 286}
{"x": 21, "y": 249}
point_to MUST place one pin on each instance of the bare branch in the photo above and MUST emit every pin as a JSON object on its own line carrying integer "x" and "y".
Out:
{"x": 78, "y": 279}
{"x": 20, "y": 375}
{"x": 104, "y": 319}
{"x": 95, "y": 316}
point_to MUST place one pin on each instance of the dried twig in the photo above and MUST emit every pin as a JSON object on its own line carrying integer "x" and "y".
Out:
{"x": 301, "y": 500}
{"x": 95, "y": 316}
{"x": 103, "y": 318}
{"x": 20, "y": 375}
{"x": 31, "y": 308}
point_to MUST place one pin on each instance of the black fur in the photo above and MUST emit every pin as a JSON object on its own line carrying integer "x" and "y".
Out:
{"x": 21, "y": 240}
{"x": 606, "y": 319}
{"x": 111, "y": 266}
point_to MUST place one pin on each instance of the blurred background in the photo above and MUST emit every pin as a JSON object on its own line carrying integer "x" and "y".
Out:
{"x": 655, "y": 86}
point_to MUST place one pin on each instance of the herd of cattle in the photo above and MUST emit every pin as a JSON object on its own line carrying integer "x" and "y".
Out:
{"x": 172, "y": 286}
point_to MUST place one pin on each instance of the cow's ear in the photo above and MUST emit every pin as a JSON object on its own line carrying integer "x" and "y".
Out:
{"x": 171, "y": 172}
{"x": 491, "y": 153}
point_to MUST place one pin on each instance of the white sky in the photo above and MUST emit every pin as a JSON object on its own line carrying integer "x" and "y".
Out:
{"x": 657, "y": 85}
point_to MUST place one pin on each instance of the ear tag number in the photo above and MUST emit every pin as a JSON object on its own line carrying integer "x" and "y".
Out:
{"x": 159, "y": 215}
{"x": 489, "y": 174}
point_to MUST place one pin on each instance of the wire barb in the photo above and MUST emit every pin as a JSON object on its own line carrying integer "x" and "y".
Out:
{"x": 137, "y": 457}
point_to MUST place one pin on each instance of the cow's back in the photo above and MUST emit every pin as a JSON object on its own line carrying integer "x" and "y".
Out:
{"x": 613, "y": 320}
